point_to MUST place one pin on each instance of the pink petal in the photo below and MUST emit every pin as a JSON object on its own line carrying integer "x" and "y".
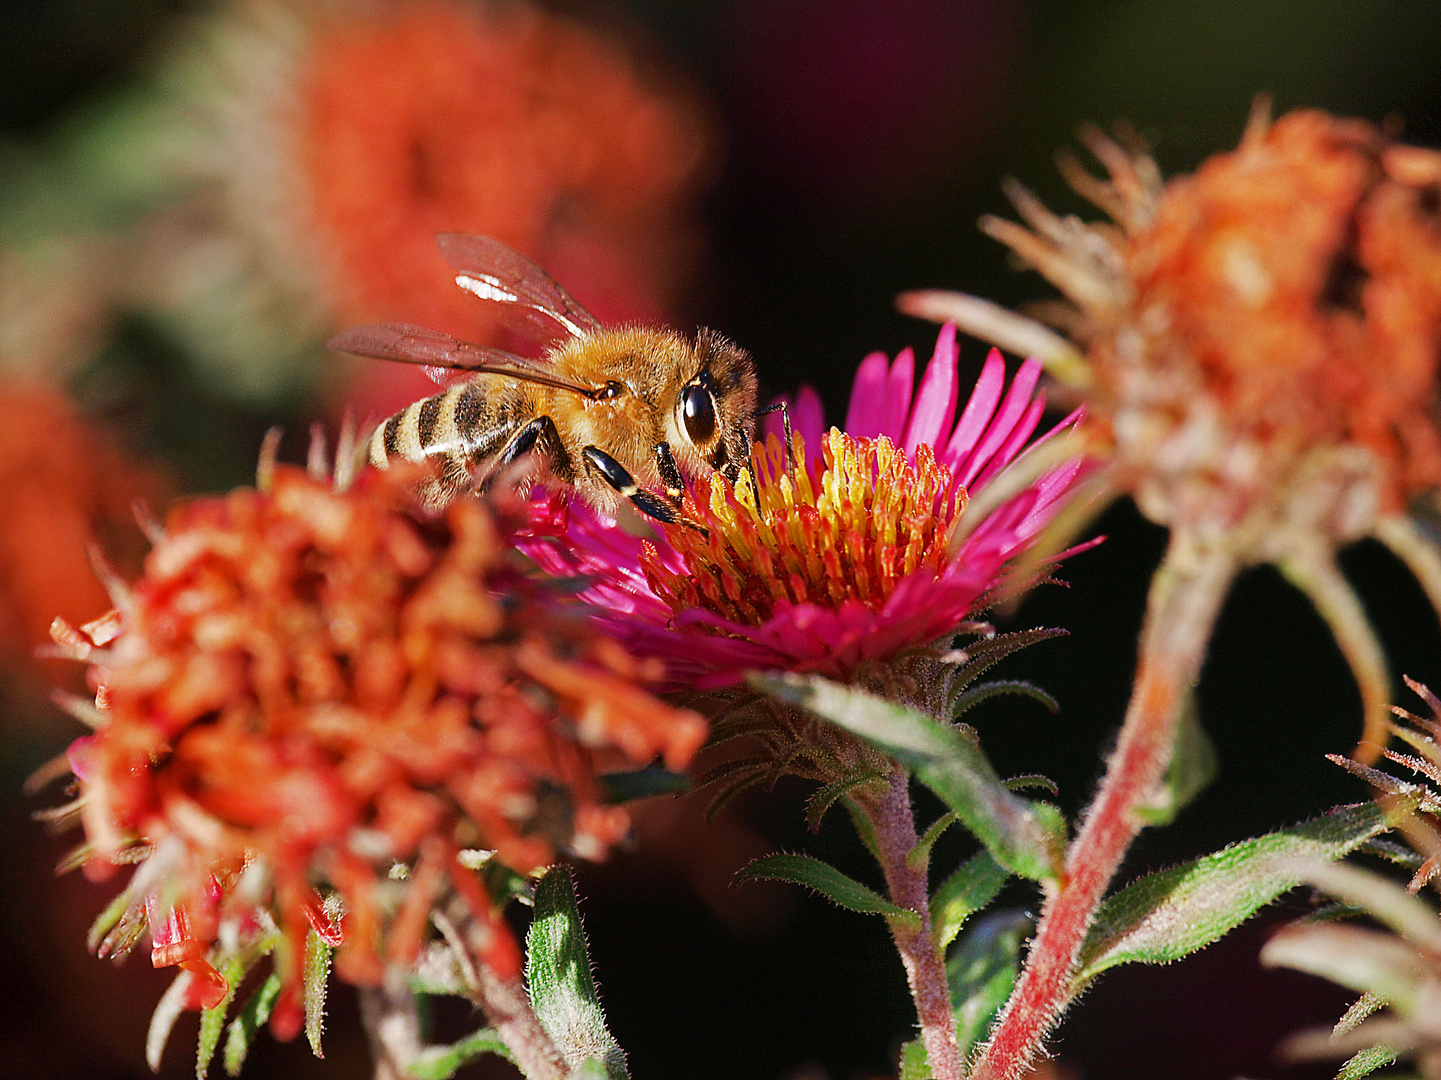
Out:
{"x": 1018, "y": 399}
{"x": 978, "y": 411}
{"x": 868, "y": 396}
{"x": 936, "y": 403}
{"x": 898, "y": 395}
{"x": 1012, "y": 446}
{"x": 808, "y": 416}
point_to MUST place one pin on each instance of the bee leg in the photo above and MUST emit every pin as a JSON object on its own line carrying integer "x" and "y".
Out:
{"x": 522, "y": 442}
{"x": 647, "y": 502}
{"x": 670, "y": 473}
{"x": 780, "y": 407}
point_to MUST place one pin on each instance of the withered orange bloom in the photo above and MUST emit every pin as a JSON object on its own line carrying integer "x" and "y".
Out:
{"x": 1258, "y": 344}
{"x": 308, "y": 686}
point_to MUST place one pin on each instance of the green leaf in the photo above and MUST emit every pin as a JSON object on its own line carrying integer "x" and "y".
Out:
{"x": 982, "y": 972}
{"x": 1193, "y": 767}
{"x": 1027, "y": 838}
{"x": 825, "y": 879}
{"x": 316, "y": 979}
{"x": 1033, "y": 780}
{"x": 212, "y": 1021}
{"x": 557, "y": 971}
{"x": 914, "y": 1065}
{"x": 251, "y": 1018}
{"x": 442, "y": 1062}
{"x": 864, "y": 828}
{"x": 974, "y": 885}
{"x": 1367, "y": 1061}
{"x": 593, "y": 1069}
{"x": 1168, "y": 915}
{"x": 825, "y": 797}
{"x": 624, "y": 787}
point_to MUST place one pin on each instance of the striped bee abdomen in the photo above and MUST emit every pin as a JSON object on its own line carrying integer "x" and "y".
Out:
{"x": 461, "y": 426}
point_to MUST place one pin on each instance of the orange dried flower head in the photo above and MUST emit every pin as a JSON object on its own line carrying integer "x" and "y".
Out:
{"x": 311, "y": 685}
{"x": 1258, "y": 344}
{"x": 1271, "y": 320}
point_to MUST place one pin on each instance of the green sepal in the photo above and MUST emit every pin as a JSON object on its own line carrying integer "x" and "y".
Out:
{"x": 1365, "y": 1062}
{"x": 212, "y": 1021}
{"x": 1173, "y": 913}
{"x": 251, "y": 1018}
{"x": 914, "y": 1063}
{"x": 594, "y": 1069}
{"x": 983, "y": 971}
{"x": 918, "y": 855}
{"x": 839, "y": 888}
{"x": 557, "y": 972}
{"x": 315, "y": 981}
{"x": 442, "y": 1062}
{"x": 1360, "y": 1009}
{"x": 1027, "y": 838}
{"x": 967, "y": 701}
{"x": 108, "y": 919}
{"x": 981, "y": 655}
{"x": 974, "y": 884}
{"x": 1193, "y": 767}
{"x": 825, "y": 797}
{"x": 647, "y": 783}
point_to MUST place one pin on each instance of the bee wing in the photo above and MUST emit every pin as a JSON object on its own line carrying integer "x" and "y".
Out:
{"x": 434, "y": 350}
{"x": 531, "y": 301}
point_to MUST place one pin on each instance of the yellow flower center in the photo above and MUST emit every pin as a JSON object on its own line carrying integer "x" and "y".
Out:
{"x": 775, "y": 538}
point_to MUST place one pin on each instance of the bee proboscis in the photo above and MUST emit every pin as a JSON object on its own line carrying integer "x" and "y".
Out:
{"x": 626, "y": 413}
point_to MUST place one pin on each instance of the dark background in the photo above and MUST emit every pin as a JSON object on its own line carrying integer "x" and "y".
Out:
{"x": 863, "y": 140}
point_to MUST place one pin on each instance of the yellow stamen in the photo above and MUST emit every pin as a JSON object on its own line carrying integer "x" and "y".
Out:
{"x": 775, "y": 536}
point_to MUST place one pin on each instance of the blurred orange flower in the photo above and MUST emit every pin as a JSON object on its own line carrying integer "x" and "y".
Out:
{"x": 349, "y": 134}
{"x": 64, "y": 486}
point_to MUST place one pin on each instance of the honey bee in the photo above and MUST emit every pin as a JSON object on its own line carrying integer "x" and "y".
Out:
{"x": 627, "y": 413}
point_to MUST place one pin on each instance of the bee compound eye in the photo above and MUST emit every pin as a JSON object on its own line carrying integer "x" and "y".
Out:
{"x": 698, "y": 410}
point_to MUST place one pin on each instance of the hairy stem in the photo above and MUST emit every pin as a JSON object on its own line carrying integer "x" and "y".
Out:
{"x": 1186, "y": 595}
{"x": 907, "y": 882}
{"x": 507, "y": 1007}
{"x": 503, "y": 1000}
{"x": 392, "y": 1027}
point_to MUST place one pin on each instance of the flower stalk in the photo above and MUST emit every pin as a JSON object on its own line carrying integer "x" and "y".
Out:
{"x": 1186, "y": 596}
{"x": 894, "y": 830}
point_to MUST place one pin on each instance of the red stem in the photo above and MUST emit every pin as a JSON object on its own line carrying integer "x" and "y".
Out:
{"x": 1186, "y": 595}
{"x": 894, "y": 828}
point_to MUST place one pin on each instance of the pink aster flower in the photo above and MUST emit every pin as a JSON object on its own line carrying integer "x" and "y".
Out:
{"x": 879, "y": 541}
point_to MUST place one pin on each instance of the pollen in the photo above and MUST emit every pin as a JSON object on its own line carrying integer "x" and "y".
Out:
{"x": 780, "y": 536}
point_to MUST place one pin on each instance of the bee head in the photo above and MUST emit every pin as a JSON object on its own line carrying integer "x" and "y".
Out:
{"x": 715, "y": 410}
